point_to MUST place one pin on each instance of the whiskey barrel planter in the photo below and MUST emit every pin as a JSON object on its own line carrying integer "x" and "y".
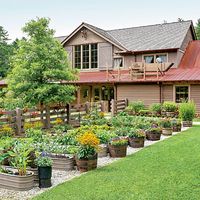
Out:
{"x": 153, "y": 136}
{"x": 63, "y": 163}
{"x": 170, "y": 114}
{"x": 177, "y": 128}
{"x": 187, "y": 123}
{"x": 136, "y": 142}
{"x": 167, "y": 131}
{"x": 117, "y": 151}
{"x": 16, "y": 182}
{"x": 103, "y": 152}
{"x": 86, "y": 164}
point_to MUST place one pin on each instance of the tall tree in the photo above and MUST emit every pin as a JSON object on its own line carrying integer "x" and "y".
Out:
{"x": 5, "y": 52}
{"x": 197, "y": 29}
{"x": 39, "y": 66}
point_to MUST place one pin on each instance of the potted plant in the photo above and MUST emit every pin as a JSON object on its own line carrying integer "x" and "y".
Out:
{"x": 156, "y": 109}
{"x": 176, "y": 125}
{"x": 166, "y": 127}
{"x": 187, "y": 113}
{"x": 86, "y": 157}
{"x": 153, "y": 134}
{"x": 136, "y": 138}
{"x": 118, "y": 147}
{"x": 44, "y": 164}
{"x": 169, "y": 108}
{"x": 17, "y": 178}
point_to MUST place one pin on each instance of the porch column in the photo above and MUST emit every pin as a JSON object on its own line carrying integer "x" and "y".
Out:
{"x": 115, "y": 92}
{"x": 79, "y": 95}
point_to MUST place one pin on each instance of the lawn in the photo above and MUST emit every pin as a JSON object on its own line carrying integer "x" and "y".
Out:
{"x": 167, "y": 170}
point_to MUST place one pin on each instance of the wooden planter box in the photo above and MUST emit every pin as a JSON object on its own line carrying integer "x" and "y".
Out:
{"x": 103, "y": 152}
{"x": 187, "y": 123}
{"x": 153, "y": 136}
{"x": 16, "y": 182}
{"x": 62, "y": 163}
{"x": 136, "y": 142}
{"x": 85, "y": 165}
{"x": 167, "y": 131}
{"x": 117, "y": 151}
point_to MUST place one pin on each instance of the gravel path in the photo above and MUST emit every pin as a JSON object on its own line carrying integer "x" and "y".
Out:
{"x": 61, "y": 176}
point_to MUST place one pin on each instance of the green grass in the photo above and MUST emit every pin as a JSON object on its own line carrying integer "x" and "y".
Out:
{"x": 168, "y": 170}
{"x": 196, "y": 120}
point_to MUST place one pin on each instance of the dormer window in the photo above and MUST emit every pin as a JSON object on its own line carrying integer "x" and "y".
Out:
{"x": 86, "y": 56}
{"x": 152, "y": 58}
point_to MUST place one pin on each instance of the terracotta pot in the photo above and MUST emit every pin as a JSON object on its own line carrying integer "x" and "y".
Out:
{"x": 103, "y": 152}
{"x": 153, "y": 136}
{"x": 86, "y": 164}
{"x": 187, "y": 123}
{"x": 16, "y": 182}
{"x": 167, "y": 131}
{"x": 136, "y": 142}
{"x": 117, "y": 151}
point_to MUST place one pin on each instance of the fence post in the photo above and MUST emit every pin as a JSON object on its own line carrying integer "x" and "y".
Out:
{"x": 102, "y": 106}
{"x": 19, "y": 121}
{"x": 126, "y": 102}
{"x": 48, "y": 120}
{"x": 112, "y": 107}
{"x": 87, "y": 107}
{"x": 68, "y": 113}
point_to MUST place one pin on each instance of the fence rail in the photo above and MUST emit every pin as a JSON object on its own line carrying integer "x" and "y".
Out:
{"x": 118, "y": 106}
{"x": 71, "y": 114}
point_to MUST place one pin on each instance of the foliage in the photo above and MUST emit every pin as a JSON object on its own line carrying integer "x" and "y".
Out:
{"x": 136, "y": 106}
{"x": 105, "y": 136}
{"x": 33, "y": 125}
{"x": 44, "y": 161}
{"x": 119, "y": 142}
{"x": 176, "y": 122}
{"x": 20, "y": 156}
{"x": 156, "y": 107}
{"x": 169, "y": 106}
{"x": 39, "y": 65}
{"x": 187, "y": 111}
{"x": 197, "y": 29}
{"x": 136, "y": 133}
{"x": 88, "y": 145}
{"x": 144, "y": 112}
{"x": 6, "y": 131}
{"x": 166, "y": 123}
{"x": 35, "y": 134}
{"x": 156, "y": 130}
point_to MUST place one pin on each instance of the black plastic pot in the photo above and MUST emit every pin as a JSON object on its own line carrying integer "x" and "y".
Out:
{"x": 44, "y": 174}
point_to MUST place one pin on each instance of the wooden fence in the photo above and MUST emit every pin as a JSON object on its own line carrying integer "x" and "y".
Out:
{"x": 70, "y": 114}
{"x": 118, "y": 106}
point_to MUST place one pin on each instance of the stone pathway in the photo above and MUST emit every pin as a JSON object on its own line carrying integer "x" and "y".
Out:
{"x": 61, "y": 176}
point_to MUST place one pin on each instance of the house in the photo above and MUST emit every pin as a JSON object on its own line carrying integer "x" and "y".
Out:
{"x": 154, "y": 63}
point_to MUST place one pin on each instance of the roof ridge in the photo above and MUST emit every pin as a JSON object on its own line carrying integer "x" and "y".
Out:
{"x": 147, "y": 25}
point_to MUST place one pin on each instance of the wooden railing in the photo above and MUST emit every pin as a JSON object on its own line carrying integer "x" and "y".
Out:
{"x": 118, "y": 106}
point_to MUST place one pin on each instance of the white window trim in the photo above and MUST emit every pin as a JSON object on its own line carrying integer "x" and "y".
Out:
{"x": 122, "y": 62}
{"x": 174, "y": 91}
{"x": 89, "y": 69}
{"x": 154, "y": 55}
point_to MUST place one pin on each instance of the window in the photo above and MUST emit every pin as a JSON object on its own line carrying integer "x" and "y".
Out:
{"x": 118, "y": 62}
{"x": 152, "y": 58}
{"x": 86, "y": 56}
{"x": 181, "y": 94}
{"x": 77, "y": 57}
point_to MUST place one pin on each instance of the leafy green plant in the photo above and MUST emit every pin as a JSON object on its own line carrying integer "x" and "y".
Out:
{"x": 187, "y": 111}
{"x": 6, "y": 131}
{"x": 144, "y": 112}
{"x": 166, "y": 123}
{"x": 156, "y": 108}
{"x": 20, "y": 156}
{"x": 136, "y": 133}
{"x": 35, "y": 134}
{"x": 169, "y": 106}
{"x": 44, "y": 161}
{"x": 119, "y": 142}
{"x": 157, "y": 130}
{"x": 136, "y": 106}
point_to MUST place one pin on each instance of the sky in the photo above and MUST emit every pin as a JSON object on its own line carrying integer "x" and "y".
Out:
{"x": 66, "y": 15}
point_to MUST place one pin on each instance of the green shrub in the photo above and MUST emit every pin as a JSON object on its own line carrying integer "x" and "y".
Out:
{"x": 136, "y": 133}
{"x": 156, "y": 107}
{"x": 119, "y": 142}
{"x": 136, "y": 106}
{"x": 187, "y": 111}
{"x": 44, "y": 161}
{"x": 166, "y": 123}
{"x": 144, "y": 112}
{"x": 169, "y": 106}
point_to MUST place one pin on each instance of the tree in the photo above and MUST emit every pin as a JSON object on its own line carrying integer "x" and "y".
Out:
{"x": 197, "y": 29}
{"x": 6, "y": 51}
{"x": 39, "y": 66}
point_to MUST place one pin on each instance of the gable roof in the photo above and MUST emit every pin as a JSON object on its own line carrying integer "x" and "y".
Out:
{"x": 60, "y": 38}
{"x": 143, "y": 38}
